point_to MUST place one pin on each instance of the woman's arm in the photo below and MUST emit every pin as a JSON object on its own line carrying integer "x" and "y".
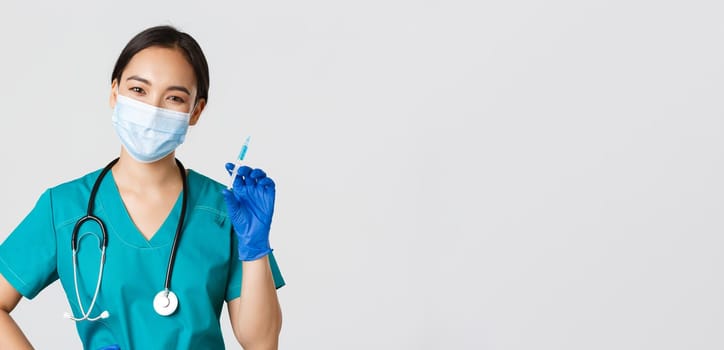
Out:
{"x": 256, "y": 316}
{"x": 11, "y": 337}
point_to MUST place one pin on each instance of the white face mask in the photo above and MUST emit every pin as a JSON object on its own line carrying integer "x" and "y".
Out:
{"x": 147, "y": 132}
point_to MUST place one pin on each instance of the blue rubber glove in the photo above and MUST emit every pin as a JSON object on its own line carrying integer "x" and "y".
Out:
{"x": 250, "y": 204}
{"x": 111, "y": 347}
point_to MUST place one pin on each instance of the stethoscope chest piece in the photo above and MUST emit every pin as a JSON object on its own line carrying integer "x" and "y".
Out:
{"x": 165, "y": 303}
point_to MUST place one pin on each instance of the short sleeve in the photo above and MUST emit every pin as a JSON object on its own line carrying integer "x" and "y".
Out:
{"x": 233, "y": 287}
{"x": 28, "y": 255}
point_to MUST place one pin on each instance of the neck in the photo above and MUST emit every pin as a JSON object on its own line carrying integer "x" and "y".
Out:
{"x": 137, "y": 176}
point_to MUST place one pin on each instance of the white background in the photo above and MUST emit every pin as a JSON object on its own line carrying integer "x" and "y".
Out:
{"x": 451, "y": 174}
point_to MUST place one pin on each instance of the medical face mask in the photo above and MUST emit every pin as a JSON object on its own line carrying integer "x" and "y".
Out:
{"x": 147, "y": 132}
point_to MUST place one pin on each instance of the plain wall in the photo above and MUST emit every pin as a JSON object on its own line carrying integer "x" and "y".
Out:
{"x": 451, "y": 174}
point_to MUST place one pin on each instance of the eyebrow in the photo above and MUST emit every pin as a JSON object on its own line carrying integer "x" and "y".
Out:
{"x": 170, "y": 88}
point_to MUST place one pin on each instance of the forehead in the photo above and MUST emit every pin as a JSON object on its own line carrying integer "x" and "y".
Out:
{"x": 162, "y": 66}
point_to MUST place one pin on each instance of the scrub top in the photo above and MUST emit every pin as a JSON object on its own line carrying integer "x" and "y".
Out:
{"x": 206, "y": 272}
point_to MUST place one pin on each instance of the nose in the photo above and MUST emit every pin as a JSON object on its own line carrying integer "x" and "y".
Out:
{"x": 156, "y": 100}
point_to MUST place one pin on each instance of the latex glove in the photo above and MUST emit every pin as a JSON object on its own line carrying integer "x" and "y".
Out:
{"x": 250, "y": 205}
{"x": 111, "y": 347}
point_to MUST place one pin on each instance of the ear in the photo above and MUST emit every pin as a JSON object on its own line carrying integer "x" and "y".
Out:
{"x": 196, "y": 114}
{"x": 114, "y": 93}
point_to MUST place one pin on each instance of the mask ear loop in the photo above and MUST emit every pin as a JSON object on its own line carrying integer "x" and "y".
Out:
{"x": 193, "y": 108}
{"x": 118, "y": 91}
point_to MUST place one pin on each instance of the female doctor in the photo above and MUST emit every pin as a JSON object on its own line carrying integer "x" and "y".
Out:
{"x": 146, "y": 250}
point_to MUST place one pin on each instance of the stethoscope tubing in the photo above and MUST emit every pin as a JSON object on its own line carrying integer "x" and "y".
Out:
{"x": 104, "y": 242}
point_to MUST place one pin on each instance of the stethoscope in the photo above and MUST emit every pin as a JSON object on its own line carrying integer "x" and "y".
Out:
{"x": 166, "y": 302}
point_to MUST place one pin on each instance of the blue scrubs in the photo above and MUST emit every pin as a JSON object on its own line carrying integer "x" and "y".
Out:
{"x": 206, "y": 273}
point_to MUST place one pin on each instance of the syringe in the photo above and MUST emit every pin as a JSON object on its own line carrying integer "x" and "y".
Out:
{"x": 237, "y": 163}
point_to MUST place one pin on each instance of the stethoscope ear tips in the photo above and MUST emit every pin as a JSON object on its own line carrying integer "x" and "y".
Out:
{"x": 104, "y": 314}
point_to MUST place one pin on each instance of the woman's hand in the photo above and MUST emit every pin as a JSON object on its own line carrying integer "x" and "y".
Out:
{"x": 250, "y": 204}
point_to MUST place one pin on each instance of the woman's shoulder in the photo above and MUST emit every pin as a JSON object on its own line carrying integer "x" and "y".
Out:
{"x": 205, "y": 191}
{"x": 69, "y": 199}
{"x": 78, "y": 185}
{"x": 204, "y": 184}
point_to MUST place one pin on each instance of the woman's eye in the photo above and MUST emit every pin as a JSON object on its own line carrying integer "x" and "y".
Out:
{"x": 176, "y": 99}
{"x": 137, "y": 90}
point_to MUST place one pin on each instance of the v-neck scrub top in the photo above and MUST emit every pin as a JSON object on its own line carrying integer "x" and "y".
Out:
{"x": 206, "y": 272}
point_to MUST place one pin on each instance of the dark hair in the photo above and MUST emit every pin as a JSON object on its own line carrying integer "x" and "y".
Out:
{"x": 169, "y": 37}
